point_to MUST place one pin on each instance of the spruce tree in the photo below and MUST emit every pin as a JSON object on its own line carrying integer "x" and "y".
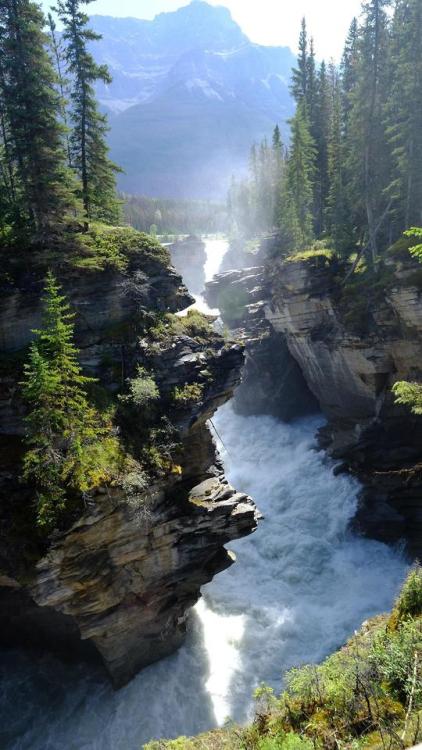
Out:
{"x": 348, "y": 71}
{"x": 57, "y": 48}
{"x": 405, "y": 113}
{"x": 320, "y": 134}
{"x": 299, "y": 85}
{"x": 33, "y": 147}
{"x": 61, "y": 425}
{"x": 368, "y": 150}
{"x": 337, "y": 211}
{"x": 297, "y": 201}
{"x": 88, "y": 146}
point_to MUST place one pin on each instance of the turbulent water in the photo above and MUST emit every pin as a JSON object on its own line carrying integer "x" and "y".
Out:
{"x": 300, "y": 587}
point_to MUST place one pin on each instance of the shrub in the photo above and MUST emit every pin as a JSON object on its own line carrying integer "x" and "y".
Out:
{"x": 409, "y": 602}
{"x": 143, "y": 389}
{"x": 105, "y": 246}
{"x": 409, "y": 394}
{"x": 188, "y": 394}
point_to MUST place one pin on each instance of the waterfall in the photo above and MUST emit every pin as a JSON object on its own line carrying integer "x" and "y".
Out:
{"x": 302, "y": 583}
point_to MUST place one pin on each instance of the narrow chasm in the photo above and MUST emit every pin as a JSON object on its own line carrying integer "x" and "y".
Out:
{"x": 302, "y": 584}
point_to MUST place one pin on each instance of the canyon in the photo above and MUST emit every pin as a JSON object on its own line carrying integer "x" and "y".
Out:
{"x": 286, "y": 591}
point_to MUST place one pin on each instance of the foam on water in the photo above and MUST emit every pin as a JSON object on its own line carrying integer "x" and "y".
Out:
{"x": 302, "y": 583}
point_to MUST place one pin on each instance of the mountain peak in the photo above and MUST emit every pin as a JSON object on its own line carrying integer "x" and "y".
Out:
{"x": 202, "y": 24}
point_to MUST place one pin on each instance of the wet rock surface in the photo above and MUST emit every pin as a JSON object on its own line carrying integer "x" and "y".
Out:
{"x": 305, "y": 346}
{"x": 118, "y": 583}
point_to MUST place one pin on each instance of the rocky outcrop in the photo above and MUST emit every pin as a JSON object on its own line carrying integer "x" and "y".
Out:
{"x": 272, "y": 382}
{"x": 124, "y": 577}
{"x": 188, "y": 257}
{"x": 117, "y": 583}
{"x": 351, "y": 351}
{"x": 314, "y": 342}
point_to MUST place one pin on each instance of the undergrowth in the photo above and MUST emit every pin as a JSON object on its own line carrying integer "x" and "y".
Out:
{"x": 367, "y": 696}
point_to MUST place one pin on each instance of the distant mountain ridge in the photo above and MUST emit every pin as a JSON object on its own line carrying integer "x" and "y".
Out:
{"x": 190, "y": 93}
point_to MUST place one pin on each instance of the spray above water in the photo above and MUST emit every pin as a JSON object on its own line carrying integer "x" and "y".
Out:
{"x": 302, "y": 583}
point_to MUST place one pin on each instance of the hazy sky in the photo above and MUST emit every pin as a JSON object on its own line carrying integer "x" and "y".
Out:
{"x": 264, "y": 21}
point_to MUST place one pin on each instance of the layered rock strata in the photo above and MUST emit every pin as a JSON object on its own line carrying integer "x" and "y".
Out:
{"x": 350, "y": 349}
{"x": 119, "y": 581}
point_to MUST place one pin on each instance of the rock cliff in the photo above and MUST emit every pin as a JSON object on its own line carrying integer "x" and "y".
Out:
{"x": 352, "y": 351}
{"x": 350, "y": 344}
{"x": 118, "y": 579}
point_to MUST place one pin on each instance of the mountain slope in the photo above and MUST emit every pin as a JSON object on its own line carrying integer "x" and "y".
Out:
{"x": 190, "y": 93}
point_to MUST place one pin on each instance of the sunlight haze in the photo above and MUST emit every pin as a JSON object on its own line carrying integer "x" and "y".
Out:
{"x": 271, "y": 22}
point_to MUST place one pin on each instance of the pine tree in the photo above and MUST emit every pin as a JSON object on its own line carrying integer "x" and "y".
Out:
{"x": 89, "y": 151}
{"x": 30, "y": 110}
{"x": 405, "y": 113}
{"x": 348, "y": 71}
{"x": 320, "y": 134}
{"x": 311, "y": 96}
{"x": 57, "y": 48}
{"x": 61, "y": 425}
{"x": 299, "y": 85}
{"x": 337, "y": 211}
{"x": 368, "y": 150}
{"x": 296, "y": 221}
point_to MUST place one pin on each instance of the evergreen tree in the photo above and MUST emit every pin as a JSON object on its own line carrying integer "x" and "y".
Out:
{"x": 88, "y": 147}
{"x": 62, "y": 427}
{"x": 320, "y": 134}
{"x": 405, "y": 113}
{"x": 56, "y": 46}
{"x": 338, "y": 211}
{"x": 299, "y": 85}
{"x": 368, "y": 150}
{"x": 311, "y": 96}
{"x": 296, "y": 220}
{"x": 32, "y": 136}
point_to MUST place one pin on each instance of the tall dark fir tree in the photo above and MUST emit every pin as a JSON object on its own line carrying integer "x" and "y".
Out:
{"x": 405, "y": 113}
{"x": 88, "y": 145}
{"x": 35, "y": 178}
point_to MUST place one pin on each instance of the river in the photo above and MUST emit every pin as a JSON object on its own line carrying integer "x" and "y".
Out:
{"x": 301, "y": 585}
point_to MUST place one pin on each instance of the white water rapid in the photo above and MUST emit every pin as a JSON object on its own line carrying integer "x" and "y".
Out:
{"x": 300, "y": 586}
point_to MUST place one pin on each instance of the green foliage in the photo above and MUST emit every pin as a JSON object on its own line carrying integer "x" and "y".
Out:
{"x": 194, "y": 324}
{"x": 409, "y": 394}
{"x": 409, "y": 603}
{"x": 191, "y": 393}
{"x": 353, "y": 169}
{"x": 296, "y": 219}
{"x": 416, "y": 250}
{"x": 319, "y": 250}
{"x": 176, "y": 217}
{"x": 394, "y": 656}
{"x": 87, "y": 141}
{"x": 113, "y": 247}
{"x": 36, "y": 186}
{"x": 367, "y": 695}
{"x": 69, "y": 449}
{"x": 143, "y": 389}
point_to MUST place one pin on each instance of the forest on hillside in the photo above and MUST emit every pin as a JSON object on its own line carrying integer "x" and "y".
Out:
{"x": 172, "y": 217}
{"x": 352, "y": 172}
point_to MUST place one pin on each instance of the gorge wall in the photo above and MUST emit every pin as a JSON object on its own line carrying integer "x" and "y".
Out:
{"x": 117, "y": 580}
{"x": 347, "y": 345}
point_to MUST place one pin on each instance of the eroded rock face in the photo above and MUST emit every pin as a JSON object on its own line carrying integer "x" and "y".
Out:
{"x": 350, "y": 366}
{"x": 118, "y": 584}
{"x": 125, "y": 576}
{"x": 272, "y": 382}
{"x": 298, "y": 326}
